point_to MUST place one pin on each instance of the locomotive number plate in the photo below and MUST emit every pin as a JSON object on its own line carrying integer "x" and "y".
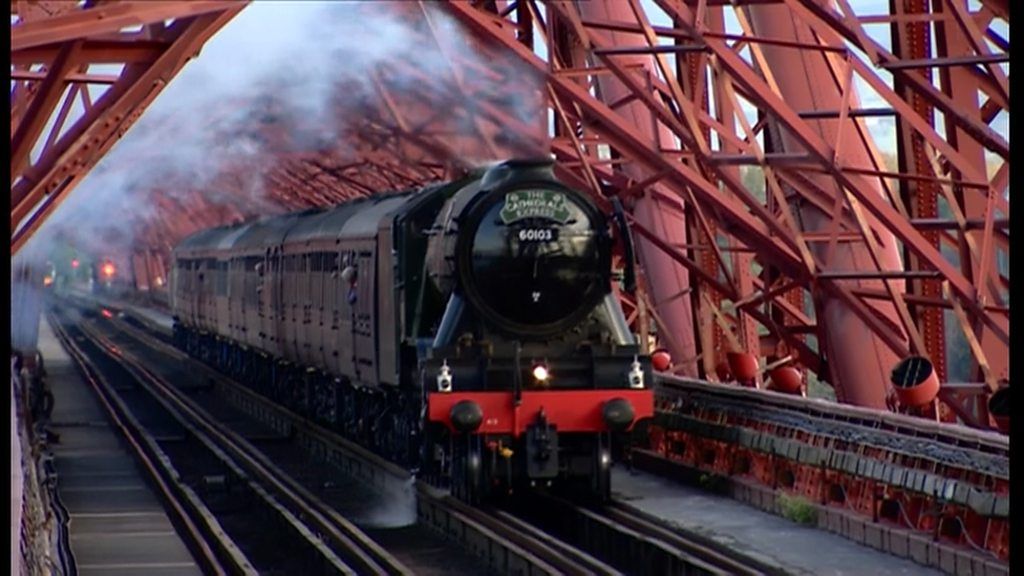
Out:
{"x": 537, "y": 234}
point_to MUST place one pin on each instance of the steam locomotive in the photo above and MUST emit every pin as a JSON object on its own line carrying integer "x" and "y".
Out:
{"x": 466, "y": 330}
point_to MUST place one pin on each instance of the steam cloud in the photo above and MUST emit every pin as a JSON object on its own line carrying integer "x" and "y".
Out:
{"x": 311, "y": 59}
{"x": 396, "y": 509}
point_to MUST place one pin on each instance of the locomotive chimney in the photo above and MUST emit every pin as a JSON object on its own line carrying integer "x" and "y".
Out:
{"x": 520, "y": 170}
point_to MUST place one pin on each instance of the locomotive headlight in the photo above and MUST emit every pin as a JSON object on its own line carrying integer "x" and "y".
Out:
{"x": 541, "y": 374}
{"x": 444, "y": 378}
{"x": 636, "y": 375}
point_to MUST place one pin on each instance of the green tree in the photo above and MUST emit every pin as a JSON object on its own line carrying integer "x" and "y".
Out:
{"x": 753, "y": 179}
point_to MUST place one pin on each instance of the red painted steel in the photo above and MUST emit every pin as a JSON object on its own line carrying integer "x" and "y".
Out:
{"x": 743, "y": 367}
{"x": 656, "y": 102}
{"x": 857, "y": 196}
{"x": 810, "y": 82}
{"x": 66, "y": 43}
{"x": 665, "y": 216}
{"x": 561, "y": 407}
{"x": 957, "y": 509}
{"x": 786, "y": 379}
{"x": 661, "y": 360}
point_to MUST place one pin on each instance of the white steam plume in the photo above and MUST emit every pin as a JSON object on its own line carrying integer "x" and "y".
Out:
{"x": 310, "y": 58}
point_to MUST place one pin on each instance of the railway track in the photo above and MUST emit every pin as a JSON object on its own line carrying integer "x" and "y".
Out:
{"x": 617, "y": 538}
{"x": 214, "y": 551}
{"x": 688, "y": 552}
{"x": 342, "y": 547}
{"x": 637, "y": 542}
{"x": 730, "y": 416}
{"x": 507, "y": 545}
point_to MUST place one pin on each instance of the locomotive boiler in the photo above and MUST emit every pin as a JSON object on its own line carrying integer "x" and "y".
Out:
{"x": 467, "y": 330}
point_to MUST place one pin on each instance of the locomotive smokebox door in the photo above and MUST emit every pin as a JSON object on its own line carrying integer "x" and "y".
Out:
{"x": 541, "y": 448}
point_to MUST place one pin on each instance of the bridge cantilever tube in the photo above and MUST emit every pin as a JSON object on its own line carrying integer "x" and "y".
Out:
{"x": 860, "y": 362}
{"x": 666, "y": 279}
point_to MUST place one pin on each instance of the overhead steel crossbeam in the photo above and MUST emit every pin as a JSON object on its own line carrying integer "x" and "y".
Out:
{"x": 834, "y": 227}
{"x": 385, "y": 137}
{"x": 861, "y": 205}
{"x": 82, "y": 74}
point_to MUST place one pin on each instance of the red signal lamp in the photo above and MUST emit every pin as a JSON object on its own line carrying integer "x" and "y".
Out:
{"x": 74, "y": 263}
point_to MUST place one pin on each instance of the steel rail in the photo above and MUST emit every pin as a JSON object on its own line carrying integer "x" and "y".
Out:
{"x": 720, "y": 559}
{"x": 640, "y": 542}
{"x": 212, "y": 548}
{"x": 565, "y": 559}
{"x": 829, "y": 414}
{"x": 363, "y": 554}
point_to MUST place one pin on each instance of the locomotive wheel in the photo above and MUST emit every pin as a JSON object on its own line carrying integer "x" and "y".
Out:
{"x": 468, "y": 483}
{"x": 435, "y": 460}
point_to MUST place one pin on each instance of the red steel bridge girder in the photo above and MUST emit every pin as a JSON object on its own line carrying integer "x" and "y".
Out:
{"x": 399, "y": 139}
{"x": 56, "y": 114}
{"x": 746, "y": 252}
{"x": 695, "y": 172}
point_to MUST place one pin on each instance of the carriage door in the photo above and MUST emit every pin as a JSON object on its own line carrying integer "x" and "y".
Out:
{"x": 363, "y": 308}
{"x": 199, "y": 276}
{"x": 263, "y": 297}
{"x": 272, "y": 286}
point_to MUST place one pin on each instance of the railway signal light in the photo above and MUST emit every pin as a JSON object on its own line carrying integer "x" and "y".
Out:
{"x": 108, "y": 269}
{"x": 74, "y": 263}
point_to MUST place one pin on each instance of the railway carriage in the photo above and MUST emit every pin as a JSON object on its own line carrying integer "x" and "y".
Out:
{"x": 467, "y": 330}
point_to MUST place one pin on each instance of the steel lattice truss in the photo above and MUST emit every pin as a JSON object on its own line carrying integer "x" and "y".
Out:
{"x": 393, "y": 138}
{"x": 64, "y": 113}
{"x": 830, "y": 257}
{"x": 856, "y": 200}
